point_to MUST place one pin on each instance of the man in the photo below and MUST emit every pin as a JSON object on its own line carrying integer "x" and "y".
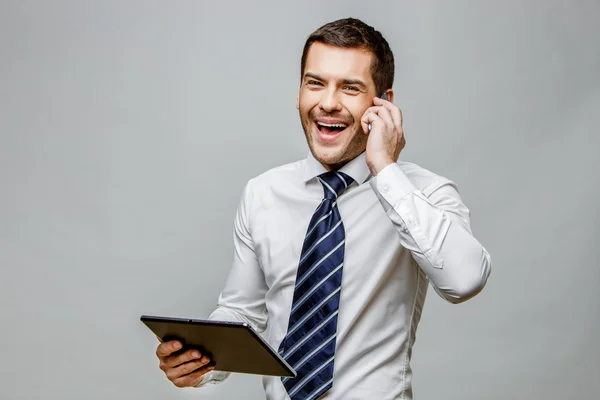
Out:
{"x": 334, "y": 253}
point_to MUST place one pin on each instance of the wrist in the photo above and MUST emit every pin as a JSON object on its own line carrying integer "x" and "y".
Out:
{"x": 379, "y": 164}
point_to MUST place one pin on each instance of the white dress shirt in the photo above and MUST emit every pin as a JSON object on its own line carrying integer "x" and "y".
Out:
{"x": 404, "y": 228}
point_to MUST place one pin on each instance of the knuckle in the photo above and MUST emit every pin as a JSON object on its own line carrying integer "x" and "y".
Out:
{"x": 187, "y": 368}
{"x": 162, "y": 350}
{"x": 185, "y": 357}
{"x": 179, "y": 383}
{"x": 197, "y": 364}
{"x": 193, "y": 366}
{"x": 162, "y": 365}
{"x": 171, "y": 375}
{"x": 180, "y": 359}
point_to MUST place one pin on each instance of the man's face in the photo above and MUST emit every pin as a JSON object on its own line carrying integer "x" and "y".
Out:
{"x": 337, "y": 88}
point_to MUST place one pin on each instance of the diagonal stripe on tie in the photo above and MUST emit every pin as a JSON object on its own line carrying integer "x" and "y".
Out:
{"x": 309, "y": 345}
{"x": 315, "y": 331}
{"x": 316, "y": 286}
{"x": 319, "y": 241}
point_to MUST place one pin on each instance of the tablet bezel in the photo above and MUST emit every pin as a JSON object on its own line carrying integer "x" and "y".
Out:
{"x": 155, "y": 319}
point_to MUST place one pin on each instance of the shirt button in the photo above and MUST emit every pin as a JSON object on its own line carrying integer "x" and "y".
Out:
{"x": 385, "y": 188}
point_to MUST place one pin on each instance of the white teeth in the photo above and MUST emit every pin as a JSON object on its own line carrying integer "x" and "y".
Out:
{"x": 332, "y": 125}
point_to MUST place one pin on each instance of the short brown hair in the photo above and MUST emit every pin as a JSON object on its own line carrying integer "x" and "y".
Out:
{"x": 353, "y": 33}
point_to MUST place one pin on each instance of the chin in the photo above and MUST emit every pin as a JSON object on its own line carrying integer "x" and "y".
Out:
{"x": 328, "y": 156}
{"x": 333, "y": 152}
{"x": 327, "y": 153}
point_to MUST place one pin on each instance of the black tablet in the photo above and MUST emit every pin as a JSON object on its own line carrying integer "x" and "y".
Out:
{"x": 233, "y": 346}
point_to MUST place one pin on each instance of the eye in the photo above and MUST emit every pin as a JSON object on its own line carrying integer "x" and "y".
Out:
{"x": 351, "y": 88}
{"x": 313, "y": 83}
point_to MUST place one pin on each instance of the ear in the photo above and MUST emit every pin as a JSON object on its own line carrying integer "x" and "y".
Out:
{"x": 390, "y": 95}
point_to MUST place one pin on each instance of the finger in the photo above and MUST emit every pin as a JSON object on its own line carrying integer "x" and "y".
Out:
{"x": 373, "y": 109}
{"x": 377, "y": 113}
{"x": 370, "y": 118}
{"x": 165, "y": 349}
{"x": 378, "y": 101}
{"x": 394, "y": 111}
{"x": 399, "y": 115}
{"x": 194, "y": 378}
{"x": 396, "y": 121}
{"x": 175, "y": 360}
{"x": 381, "y": 111}
{"x": 188, "y": 368}
{"x": 385, "y": 114}
{"x": 396, "y": 115}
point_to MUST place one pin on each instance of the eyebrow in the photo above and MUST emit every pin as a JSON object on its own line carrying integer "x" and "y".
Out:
{"x": 345, "y": 81}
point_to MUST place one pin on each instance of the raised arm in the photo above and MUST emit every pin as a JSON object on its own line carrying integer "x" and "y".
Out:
{"x": 434, "y": 225}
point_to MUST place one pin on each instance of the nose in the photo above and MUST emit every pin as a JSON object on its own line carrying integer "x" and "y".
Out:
{"x": 330, "y": 101}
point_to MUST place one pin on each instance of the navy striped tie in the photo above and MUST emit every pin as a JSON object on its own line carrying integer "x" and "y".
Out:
{"x": 309, "y": 346}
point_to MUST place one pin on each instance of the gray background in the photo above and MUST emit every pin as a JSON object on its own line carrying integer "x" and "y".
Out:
{"x": 128, "y": 129}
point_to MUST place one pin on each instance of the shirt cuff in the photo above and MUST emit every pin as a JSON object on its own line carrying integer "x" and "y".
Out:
{"x": 391, "y": 185}
{"x": 212, "y": 378}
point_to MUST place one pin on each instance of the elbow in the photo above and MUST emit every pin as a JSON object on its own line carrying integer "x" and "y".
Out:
{"x": 465, "y": 291}
{"x": 471, "y": 284}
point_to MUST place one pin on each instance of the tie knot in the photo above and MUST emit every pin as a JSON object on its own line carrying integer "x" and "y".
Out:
{"x": 334, "y": 183}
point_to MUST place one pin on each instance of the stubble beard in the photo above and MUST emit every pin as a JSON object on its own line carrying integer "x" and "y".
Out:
{"x": 334, "y": 160}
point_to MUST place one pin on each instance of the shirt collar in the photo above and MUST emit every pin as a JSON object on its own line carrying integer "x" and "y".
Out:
{"x": 357, "y": 168}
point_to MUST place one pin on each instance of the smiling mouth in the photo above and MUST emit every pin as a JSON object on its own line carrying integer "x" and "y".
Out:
{"x": 330, "y": 129}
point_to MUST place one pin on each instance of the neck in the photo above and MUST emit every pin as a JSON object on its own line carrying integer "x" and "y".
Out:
{"x": 334, "y": 167}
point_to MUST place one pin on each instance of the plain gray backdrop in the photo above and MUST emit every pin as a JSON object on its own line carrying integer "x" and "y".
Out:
{"x": 128, "y": 129}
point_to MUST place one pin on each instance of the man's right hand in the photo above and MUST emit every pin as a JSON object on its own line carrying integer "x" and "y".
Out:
{"x": 183, "y": 368}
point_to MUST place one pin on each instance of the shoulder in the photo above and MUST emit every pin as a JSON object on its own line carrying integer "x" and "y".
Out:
{"x": 276, "y": 176}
